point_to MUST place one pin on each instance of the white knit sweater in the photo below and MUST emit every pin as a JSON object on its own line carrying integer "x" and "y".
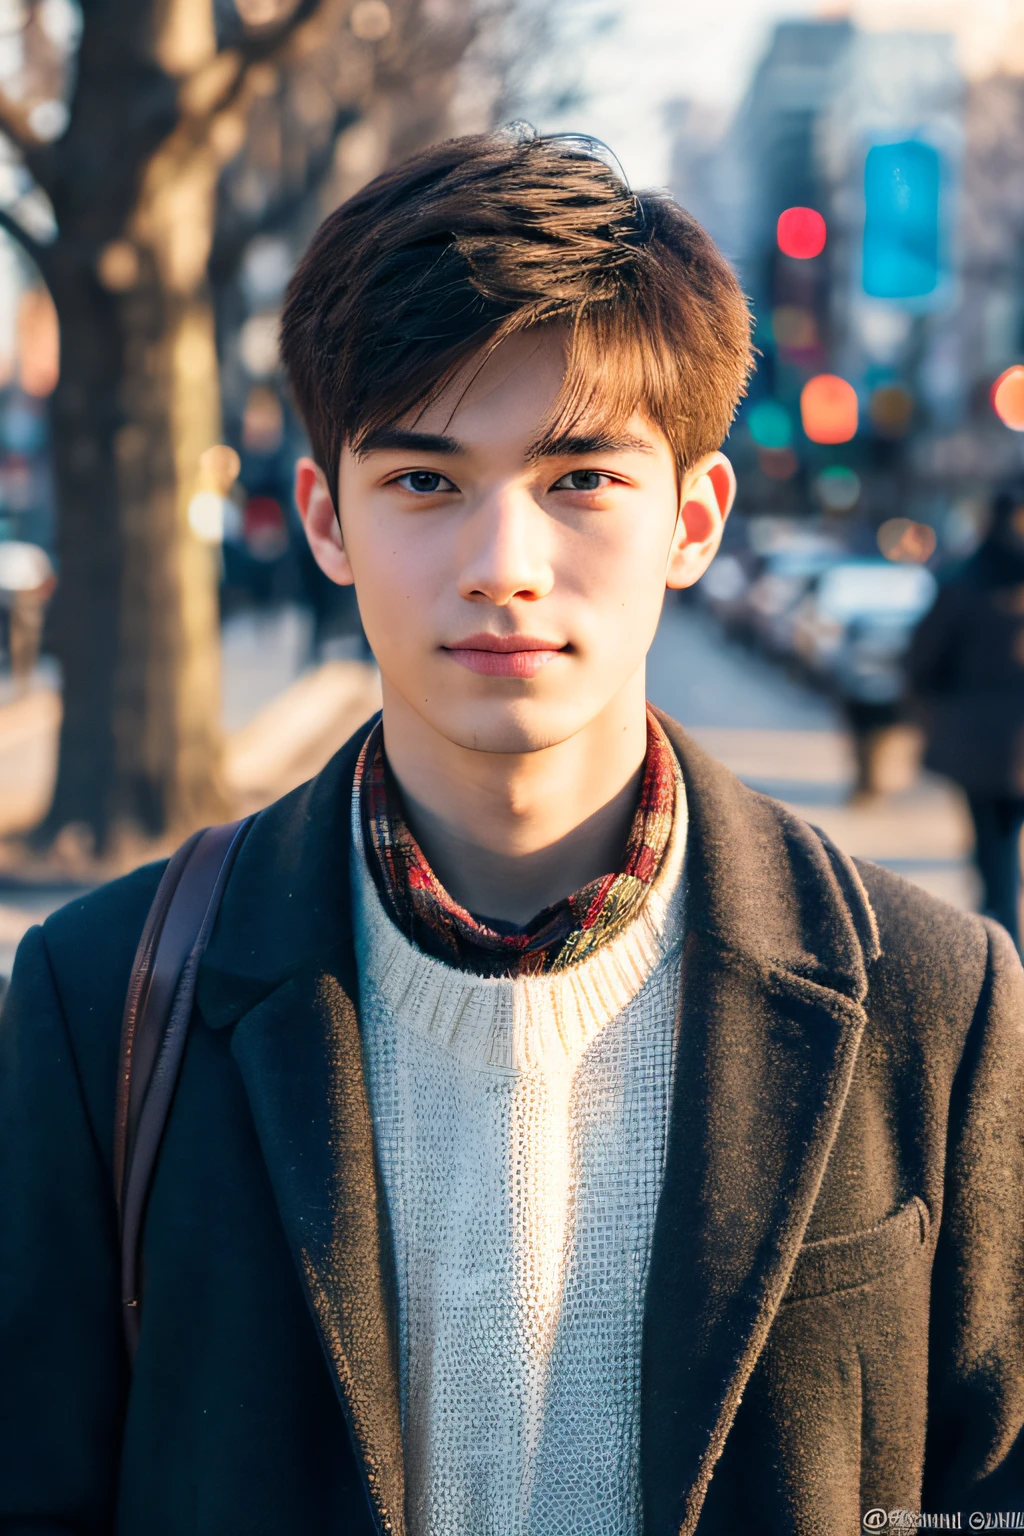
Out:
{"x": 521, "y": 1129}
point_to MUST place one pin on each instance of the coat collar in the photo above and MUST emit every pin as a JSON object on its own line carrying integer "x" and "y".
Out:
{"x": 779, "y": 935}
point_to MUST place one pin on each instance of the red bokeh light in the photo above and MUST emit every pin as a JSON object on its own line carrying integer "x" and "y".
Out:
{"x": 801, "y": 233}
{"x": 828, "y": 409}
{"x": 1008, "y": 398}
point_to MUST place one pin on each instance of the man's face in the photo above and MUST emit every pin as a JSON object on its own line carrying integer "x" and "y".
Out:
{"x": 509, "y": 598}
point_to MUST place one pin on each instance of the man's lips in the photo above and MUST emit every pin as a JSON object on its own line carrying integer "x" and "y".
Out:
{"x": 504, "y": 655}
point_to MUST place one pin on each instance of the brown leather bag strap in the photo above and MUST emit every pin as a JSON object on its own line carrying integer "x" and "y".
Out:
{"x": 157, "y": 1011}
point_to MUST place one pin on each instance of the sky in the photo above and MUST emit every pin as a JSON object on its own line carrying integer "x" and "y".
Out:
{"x": 706, "y": 50}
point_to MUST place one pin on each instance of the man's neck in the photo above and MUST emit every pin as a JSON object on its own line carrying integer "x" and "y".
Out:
{"x": 509, "y": 834}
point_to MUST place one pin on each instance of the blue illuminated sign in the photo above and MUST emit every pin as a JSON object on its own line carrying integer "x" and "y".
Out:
{"x": 902, "y": 188}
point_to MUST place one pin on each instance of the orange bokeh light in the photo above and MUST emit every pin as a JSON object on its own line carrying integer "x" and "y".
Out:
{"x": 906, "y": 542}
{"x": 1008, "y": 398}
{"x": 38, "y": 343}
{"x": 801, "y": 233}
{"x": 828, "y": 409}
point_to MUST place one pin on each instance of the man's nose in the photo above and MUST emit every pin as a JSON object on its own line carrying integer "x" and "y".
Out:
{"x": 505, "y": 550}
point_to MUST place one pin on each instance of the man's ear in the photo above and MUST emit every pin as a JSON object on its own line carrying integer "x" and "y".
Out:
{"x": 321, "y": 522}
{"x": 706, "y": 498}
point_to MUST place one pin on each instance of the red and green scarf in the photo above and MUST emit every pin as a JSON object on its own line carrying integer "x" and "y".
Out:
{"x": 561, "y": 935}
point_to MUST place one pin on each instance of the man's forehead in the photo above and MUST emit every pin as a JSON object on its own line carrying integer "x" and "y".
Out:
{"x": 509, "y": 400}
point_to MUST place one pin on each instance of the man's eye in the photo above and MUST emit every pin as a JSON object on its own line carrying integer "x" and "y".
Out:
{"x": 424, "y": 482}
{"x": 582, "y": 480}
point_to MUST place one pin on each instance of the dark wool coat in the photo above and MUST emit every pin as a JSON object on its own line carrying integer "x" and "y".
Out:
{"x": 835, "y": 1311}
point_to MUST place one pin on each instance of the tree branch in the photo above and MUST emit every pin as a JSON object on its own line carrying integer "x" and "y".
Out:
{"x": 256, "y": 45}
{"x": 255, "y": 48}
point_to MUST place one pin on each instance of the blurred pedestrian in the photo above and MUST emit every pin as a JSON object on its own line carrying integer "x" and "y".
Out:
{"x": 966, "y": 670}
{"x": 869, "y": 722}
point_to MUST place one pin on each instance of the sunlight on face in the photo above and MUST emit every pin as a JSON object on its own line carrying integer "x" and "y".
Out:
{"x": 508, "y": 598}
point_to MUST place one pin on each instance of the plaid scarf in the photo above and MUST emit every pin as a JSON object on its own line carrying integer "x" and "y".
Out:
{"x": 564, "y": 933}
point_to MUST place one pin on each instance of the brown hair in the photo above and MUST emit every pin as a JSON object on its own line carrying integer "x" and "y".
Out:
{"x": 473, "y": 239}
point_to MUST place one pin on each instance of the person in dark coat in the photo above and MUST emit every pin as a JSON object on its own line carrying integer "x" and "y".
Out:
{"x": 966, "y": 669}
{"x": 567, "y": 1137}
{"x": 834, "y": 1317}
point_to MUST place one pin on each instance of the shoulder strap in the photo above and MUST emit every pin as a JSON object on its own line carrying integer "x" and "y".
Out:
{"x": 157, "y": 1011}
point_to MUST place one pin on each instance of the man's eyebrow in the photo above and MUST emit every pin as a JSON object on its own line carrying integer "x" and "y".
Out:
{"x": 397, "y": 438}
{"x": 569, "y": 445}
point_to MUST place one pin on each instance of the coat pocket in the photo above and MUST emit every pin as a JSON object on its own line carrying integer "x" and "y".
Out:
{"x": 840, "y": 1263}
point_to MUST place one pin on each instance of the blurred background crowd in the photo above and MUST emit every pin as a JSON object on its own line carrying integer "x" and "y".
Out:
{"x": 169, "y": 653}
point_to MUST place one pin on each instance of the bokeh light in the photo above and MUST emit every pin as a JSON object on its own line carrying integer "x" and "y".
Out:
{"x": 23, "y": 567}
{"x": 38, "y": 343}
{"x": 801, "y": 233}
{"x": 1008, "y": 398}
{"x": 206, "y": 516}
{"x": 262, "y": 421}
{"x": 828, "y": 409}
{"x": 265, "y": 529}
{"x": 891, "y": 408}
{"x": 906, "y": 542}
{"x": 117, "y": 266}
{"x": 837, "y": 488}
{"x": 777, "y": 463}
{"x": 219, "y": 468}
{"x": 370, "y": 20}
{"x": 770, "y": 425}
{"x": 257, "y": 344}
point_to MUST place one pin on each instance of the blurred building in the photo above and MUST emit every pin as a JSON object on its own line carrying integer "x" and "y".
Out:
{"x": 774, "y": 140}
{"x": 890, "y": 151}
{"x": 913, "y": 305}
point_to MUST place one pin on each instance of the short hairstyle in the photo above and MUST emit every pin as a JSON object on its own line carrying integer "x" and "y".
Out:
{"x": 477, "y": 238}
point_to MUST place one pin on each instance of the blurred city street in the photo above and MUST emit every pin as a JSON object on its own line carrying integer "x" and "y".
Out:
{"x": 862, "y": 172}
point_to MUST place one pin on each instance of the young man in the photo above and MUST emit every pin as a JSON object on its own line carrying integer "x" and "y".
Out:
{"x": 568, "y": 1139}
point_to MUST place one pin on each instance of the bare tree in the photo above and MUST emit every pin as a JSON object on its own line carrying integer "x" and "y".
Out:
{"x": 175, "y": 126}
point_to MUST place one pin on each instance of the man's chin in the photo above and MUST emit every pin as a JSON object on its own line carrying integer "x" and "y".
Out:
{"x": 507, "y": 728}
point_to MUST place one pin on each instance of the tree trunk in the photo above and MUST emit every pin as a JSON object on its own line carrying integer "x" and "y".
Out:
{"x": 136, "y": 621}
{"x": 167, "y": 700}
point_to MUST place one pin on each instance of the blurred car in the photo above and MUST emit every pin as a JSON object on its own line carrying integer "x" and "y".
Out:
{"x": 773, "y": 599}
{"x": 852, "y": 630}
{"x": 724, "y": 586}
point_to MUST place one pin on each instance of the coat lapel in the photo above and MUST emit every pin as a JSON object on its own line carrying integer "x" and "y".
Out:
{"x": 773, "y": 981}
{"x": 280, "y": 968}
